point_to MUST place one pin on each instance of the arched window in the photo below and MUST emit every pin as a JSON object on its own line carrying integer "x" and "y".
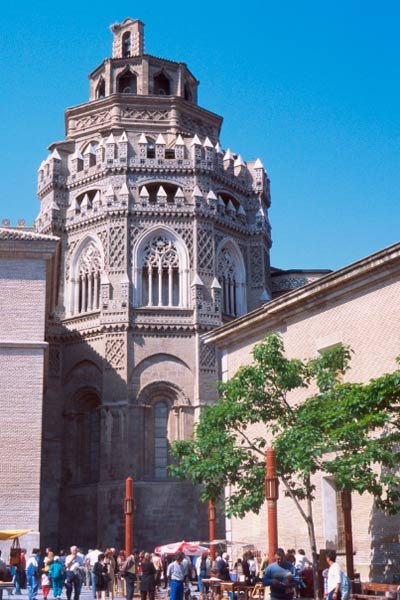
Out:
{"x": 160, "y": 414}
{"x": 161, "y": 85}
{"x": 160, "y": 273}
{"x": 89, "y": 279}
{"x": 101, "y": 89}
{"x": 232, "y": 277}
{"x": 86, "y": 278}
{"x": 127, "y": 83}
{"x": 161, "y": 269}
{"x": 126, "y": 44}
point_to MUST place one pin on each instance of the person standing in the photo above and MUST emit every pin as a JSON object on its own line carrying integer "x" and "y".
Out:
{"x": 203, "y": 570}
{"x": 128, "y": 571}
{"x": 281, "y": 577}
{"x": 33, "y": 573}
{"x": 148, "y": 580}
{"x": 334, "y": 576}
{"x": 57, "y": 576}
{"x": 101, "y": 577}
{"x": 73, "y": 570}
{"x": 176, "y": 574}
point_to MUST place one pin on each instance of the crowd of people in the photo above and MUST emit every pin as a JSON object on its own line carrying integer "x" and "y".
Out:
{"x": 108, "y": 573}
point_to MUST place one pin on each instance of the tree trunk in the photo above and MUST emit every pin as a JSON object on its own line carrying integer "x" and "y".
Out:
{"x": 313, "y": 544}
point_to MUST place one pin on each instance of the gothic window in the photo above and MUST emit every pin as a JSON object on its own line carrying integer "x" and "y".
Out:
{"x": 126, "y": 44}
{"x": 101, "y": 89}
{"x": 160, "y": 412}
{"x": 86, "y": 278}
{"x": 160, "y": 273}
{"x": 231, "y": 274}
{"x": 161, "y": 270}
{"x": 127, "y": 83}
{"x": 161, "y": 85}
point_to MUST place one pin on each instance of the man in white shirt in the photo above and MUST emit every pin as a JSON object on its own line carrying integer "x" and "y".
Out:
{"x": 334, "y": 576}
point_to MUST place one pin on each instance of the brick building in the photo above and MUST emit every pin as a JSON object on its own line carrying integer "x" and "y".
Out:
{"x": 358, "y": 306}
{"x": 27, "y": 276}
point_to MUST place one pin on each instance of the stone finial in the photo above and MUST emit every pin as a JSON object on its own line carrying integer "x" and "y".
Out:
{"x": 265, "y": 296}
{"x": 128, "y": 38}
{"x": 179, "y": 196}
{"x": 161, "y": 195}
{"x": 215, "y": 285}
{"x": 197, "y": 280}
{"x": 144, "y": 194}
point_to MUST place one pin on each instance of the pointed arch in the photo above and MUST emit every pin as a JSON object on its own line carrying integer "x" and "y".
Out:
{"x": 127, "y": 82}
{"x": 101, "y": 89}
{"x": 160, "y": 269}
{"x": 231, "y": 272}
{"x": 87, "y": 265}
{"x": 161, "y": 84}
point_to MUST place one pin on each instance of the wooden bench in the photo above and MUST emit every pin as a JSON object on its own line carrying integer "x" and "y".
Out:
{"x": 376, "y": 591}
{"x": 7, "y": 586}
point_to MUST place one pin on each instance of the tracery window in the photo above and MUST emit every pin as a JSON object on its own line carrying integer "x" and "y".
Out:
{"x": 232, "y": 278}
{"x": 160, "y": 273}
{"x": 86, "y": 268}
{"x": 161, "y": 85}
{"x": 89, "y": 279}
{"x": 127, "y": 83}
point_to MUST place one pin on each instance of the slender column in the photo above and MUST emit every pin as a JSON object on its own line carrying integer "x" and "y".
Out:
{"x": 90, "y": 290}
{"x": 75, "y": 305}
{"x": 150, "y": 278}
{"x": 96, "y": 291}
{"x": 160, "y": 271}
{"x": 170, "y": 285}
{"x": 271, "y": 495}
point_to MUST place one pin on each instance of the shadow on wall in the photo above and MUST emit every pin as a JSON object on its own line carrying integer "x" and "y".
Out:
{"x": 384, "y": 530}
{"x": 81, "y": 425}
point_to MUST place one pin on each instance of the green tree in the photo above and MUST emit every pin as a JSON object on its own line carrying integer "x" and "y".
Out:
{"x": 343, "y": 429}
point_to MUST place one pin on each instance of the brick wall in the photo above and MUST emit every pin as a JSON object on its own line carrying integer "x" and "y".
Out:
{"x": 369, "y": 322}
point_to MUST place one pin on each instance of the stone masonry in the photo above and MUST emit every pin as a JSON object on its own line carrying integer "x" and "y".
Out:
{"x": 163, "y": 236}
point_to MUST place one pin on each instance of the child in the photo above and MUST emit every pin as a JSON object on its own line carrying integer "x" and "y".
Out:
{"x": 45, "y": 582}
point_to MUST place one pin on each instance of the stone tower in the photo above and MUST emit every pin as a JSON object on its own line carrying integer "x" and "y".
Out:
{"x": 164, "y": 236}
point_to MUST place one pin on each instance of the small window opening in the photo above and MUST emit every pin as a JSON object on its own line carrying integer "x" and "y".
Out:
{"x": 127, "y": 84}
{"x": 161, "y": 85}
{"x": 126, "y": 44}
{"x": 101, "y": 89}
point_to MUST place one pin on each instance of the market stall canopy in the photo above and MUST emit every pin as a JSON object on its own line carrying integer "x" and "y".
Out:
{"x": 11, "y": 534}
{"x": 189, "y": 548}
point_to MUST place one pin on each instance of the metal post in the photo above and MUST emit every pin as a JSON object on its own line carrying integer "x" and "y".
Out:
{"x": 271, "y": 496}
{"x": 211, "y": 527}
{"x": 128, "y": 508}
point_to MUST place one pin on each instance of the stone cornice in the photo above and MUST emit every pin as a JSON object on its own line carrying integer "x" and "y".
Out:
{"x": 338, "y": 285}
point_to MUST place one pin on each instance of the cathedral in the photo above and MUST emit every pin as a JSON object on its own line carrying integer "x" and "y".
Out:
{"x": 163, "y": 236}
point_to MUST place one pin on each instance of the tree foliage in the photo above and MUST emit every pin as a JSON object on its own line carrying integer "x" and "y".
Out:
{"x": 348, "y": 430}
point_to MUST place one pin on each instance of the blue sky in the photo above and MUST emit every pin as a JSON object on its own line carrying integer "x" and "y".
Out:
{"x": 310, "y": 87}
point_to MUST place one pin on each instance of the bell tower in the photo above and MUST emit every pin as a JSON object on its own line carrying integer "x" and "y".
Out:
{"x": 164, "y": 236}
{"x": 128, "y": 38}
